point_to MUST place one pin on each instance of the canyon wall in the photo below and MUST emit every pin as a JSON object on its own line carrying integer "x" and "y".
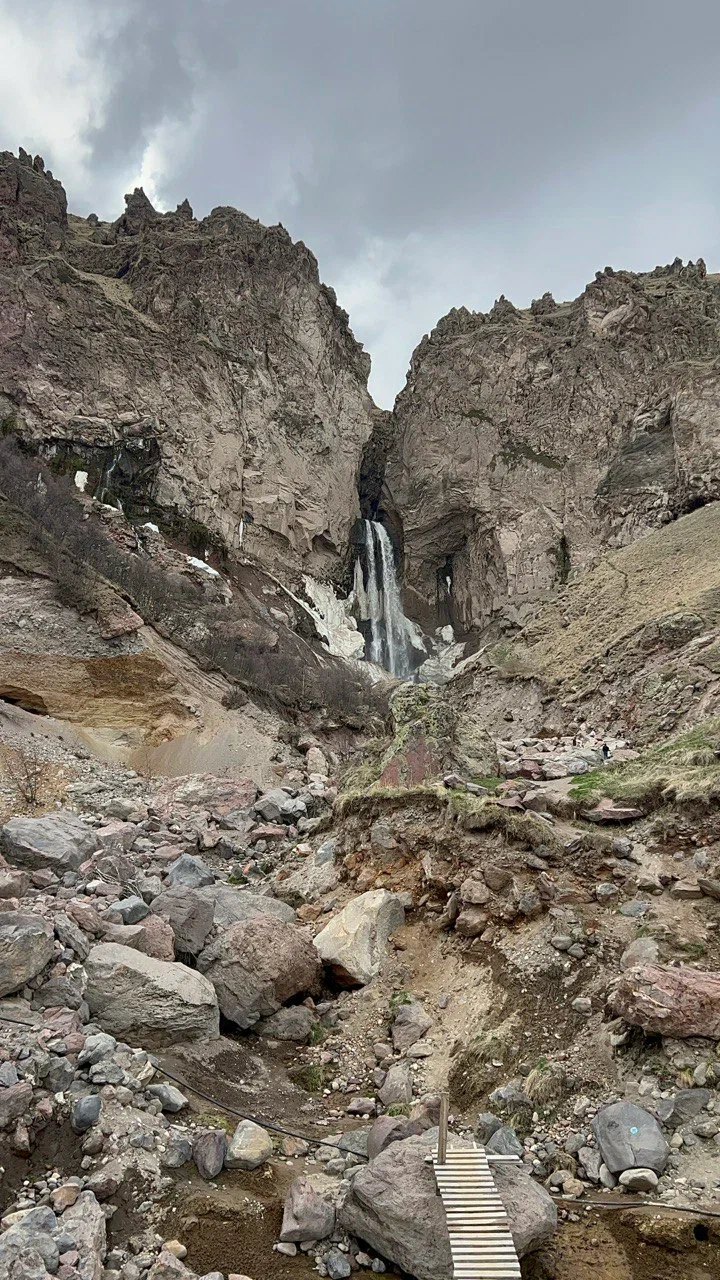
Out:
{"x": 196, "y": 370}
{"x": 527, "y": 442}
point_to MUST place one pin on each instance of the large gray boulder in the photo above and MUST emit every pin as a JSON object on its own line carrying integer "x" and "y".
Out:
{"x": 233, "y": 906}
{"x": 257, "y": 965}
{"x": 149, "y": 1002}
{"x": 354, "y": 943}
{"x": 58, "y": 841}
{"x": 26, "y": 946}
{"x": 630, "y": 1138}
{"x": 393, "y": 1205}
{"x": 189, "y": 915}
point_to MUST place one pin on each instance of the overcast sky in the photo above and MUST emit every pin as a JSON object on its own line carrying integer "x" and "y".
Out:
{"x": 432, "y": 153}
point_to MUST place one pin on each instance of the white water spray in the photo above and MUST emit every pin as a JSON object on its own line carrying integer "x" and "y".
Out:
{"x": 389, "y": 643}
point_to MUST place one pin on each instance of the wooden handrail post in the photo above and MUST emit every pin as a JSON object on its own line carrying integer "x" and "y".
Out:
{"x": 443, "y": 1129}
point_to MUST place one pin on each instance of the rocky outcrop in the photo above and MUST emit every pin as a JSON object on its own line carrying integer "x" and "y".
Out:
{"x": 669, "y": 1001}
{"x": 526, "y": 443}
{"x": 234, "y": 395}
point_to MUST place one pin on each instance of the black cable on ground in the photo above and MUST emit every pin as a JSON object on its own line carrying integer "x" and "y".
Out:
{"x": 322, "y": 1142}
{"x": 266, "y": 1124}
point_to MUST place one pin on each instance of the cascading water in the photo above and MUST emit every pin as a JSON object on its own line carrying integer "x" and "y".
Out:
{"x": 381, "y": 605}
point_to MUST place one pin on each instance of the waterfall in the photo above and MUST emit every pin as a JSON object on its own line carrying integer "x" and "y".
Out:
{"x": 389, "y": 642}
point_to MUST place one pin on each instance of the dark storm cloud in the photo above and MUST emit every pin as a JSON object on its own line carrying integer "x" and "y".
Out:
{"x": 431, "y": 154}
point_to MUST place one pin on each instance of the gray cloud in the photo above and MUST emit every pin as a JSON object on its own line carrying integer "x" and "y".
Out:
{"x": 431, "y": 155}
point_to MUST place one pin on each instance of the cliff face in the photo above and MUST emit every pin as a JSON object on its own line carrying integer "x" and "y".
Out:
{"x": 191, "y": 367}
{"x": 526, "y": 443}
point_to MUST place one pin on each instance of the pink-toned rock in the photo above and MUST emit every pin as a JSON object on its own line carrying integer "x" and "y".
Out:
{"x": 116, "y": 836}
{"x": 608, "y": 811}
{"x": 85, "y": 916}
{"x": 677, "y": 1002}
{"x": 205, "y": 791}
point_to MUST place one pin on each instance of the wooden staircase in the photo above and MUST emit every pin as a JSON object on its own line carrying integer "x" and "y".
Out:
{"x": 480, "y": 1239}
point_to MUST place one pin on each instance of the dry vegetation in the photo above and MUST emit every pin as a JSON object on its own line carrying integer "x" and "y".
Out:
{"x": 685, "y": 769}
{"x": 83, "y": 560}
{"x": 675, "y": 569}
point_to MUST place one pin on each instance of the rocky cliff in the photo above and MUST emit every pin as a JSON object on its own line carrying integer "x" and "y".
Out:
{"x": 197, "y": 370}
{"x": 526, "y": 443}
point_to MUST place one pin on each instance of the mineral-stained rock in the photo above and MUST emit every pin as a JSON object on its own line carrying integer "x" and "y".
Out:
{"x": 354, "y": 943}
{"x": 393, "y": 1205}
{"x": 59, "y": 841}
{"x": 221, "y": 796}
{"x": 306, "y": 1216}
{"x": 26, "y": 946}
{"x": 257, "y": 965}
{"x": 249, "y": 1147}
{"x": 149, "y": 1002}
{"x": 629, "y": 1138}
{"x": 14, "y": 1102}
{"x": 676, "y": 1002}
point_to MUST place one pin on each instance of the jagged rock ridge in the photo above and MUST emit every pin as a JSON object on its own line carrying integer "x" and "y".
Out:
{"x": 197, "y": 367}
{"x": 526, "y": 443}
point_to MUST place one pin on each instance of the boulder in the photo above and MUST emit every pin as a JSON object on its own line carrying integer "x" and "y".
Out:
{"x": 684, "y": 1106}
{"x": 257, "y": 965}
{"x": 411, "y": 1023}
{"x": 249, "y": 1147}
{"x": 58, "y": 841}
{"x": 354, "y": 943}
{"x": 15, "y": 1100}
{"x": 153, "y": 936}
{"x": 149, "y": 1002}
{"x": 392, "y": 1204}
{"x": 189, "y": 872}
{"x": 638, "y": 1179}
{"x": 293, "y": 1023}
{"x": 26, "y": 946}
{"x": 209, "y": 1150}
{"x": 396, "y": 1089}
{"x": 386, "y": 1129}
{"x": 221, "y": 796}
{"x": 85, "y": 1222}
{"x": 629, "y": 1138}
{"x": 234, "y": 906}
{"x": 278, "y": 806}
{"x": 306, "y": 1216}
{"x": 190, "y": 916}
{"x": 676, "y": 1002}
{"x": 318, "y": 875}
{"x": 641, "y": 951}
